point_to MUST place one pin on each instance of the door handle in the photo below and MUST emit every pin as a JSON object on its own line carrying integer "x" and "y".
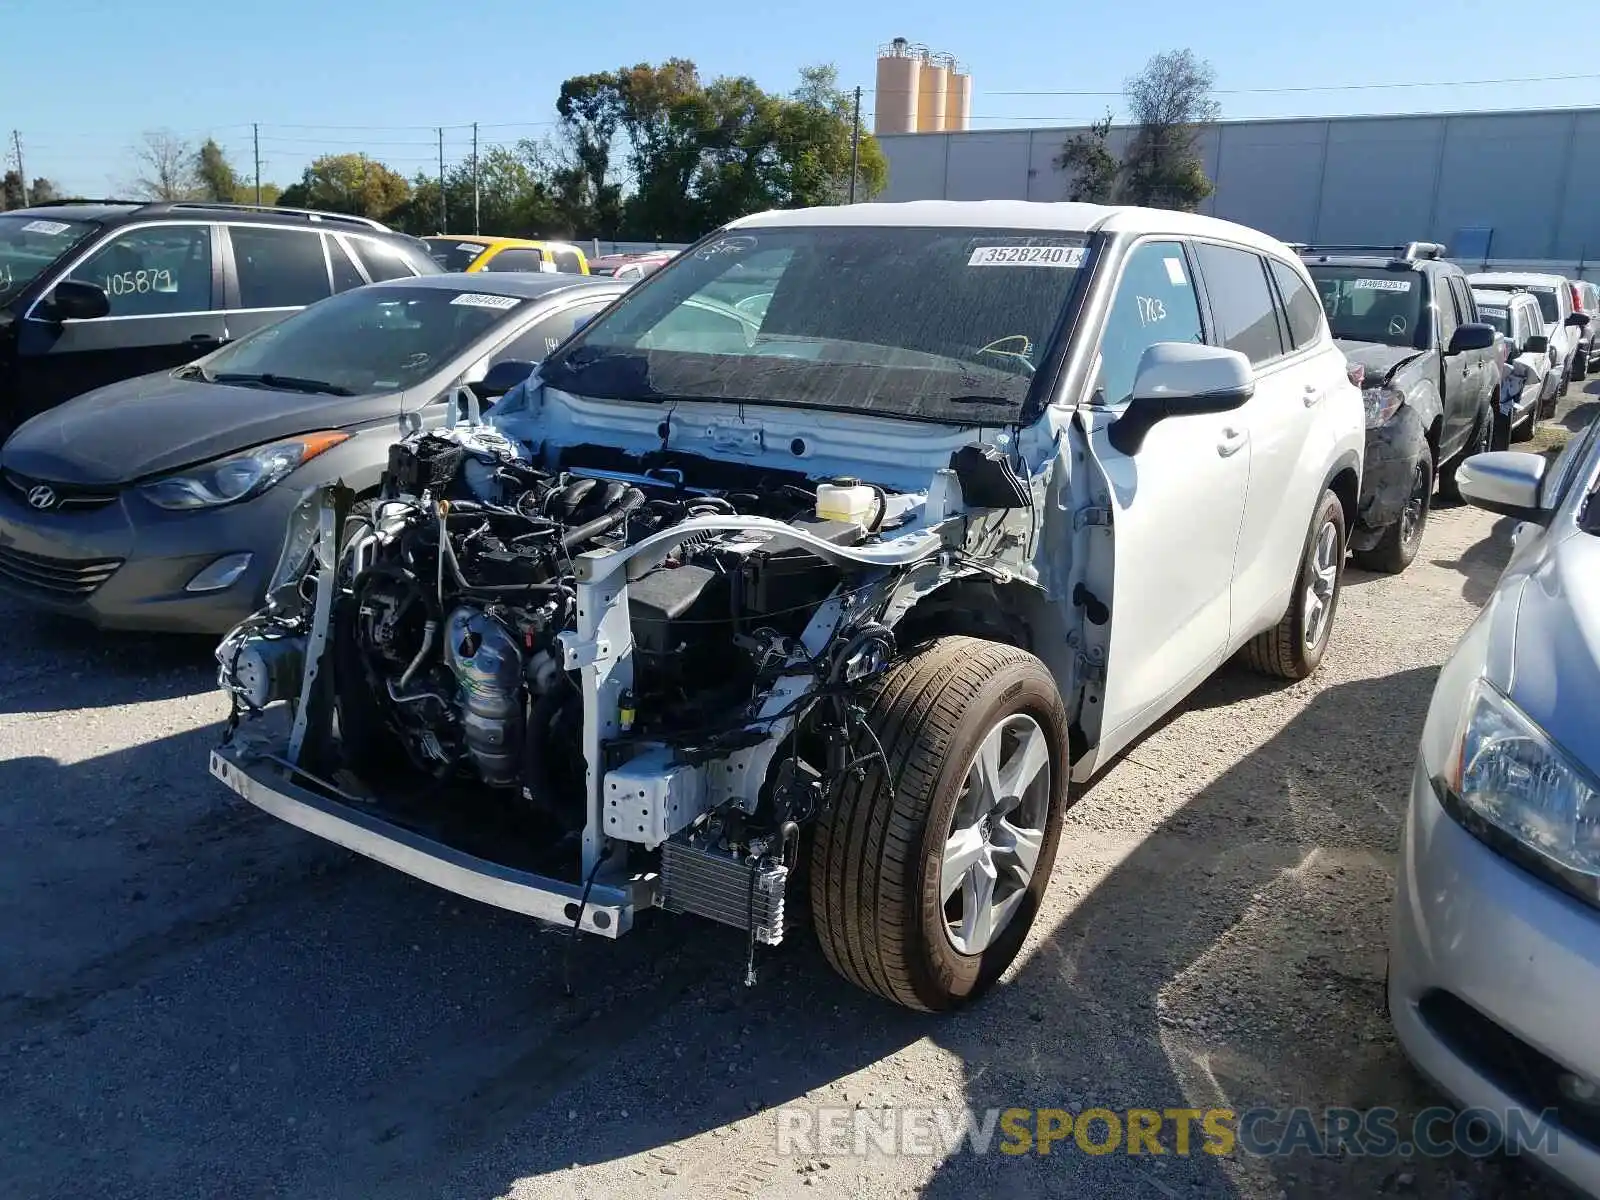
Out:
{"x": 204, "y": 341}
{"x": 1231, "y": 440}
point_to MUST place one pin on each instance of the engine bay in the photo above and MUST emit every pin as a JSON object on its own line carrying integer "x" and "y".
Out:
{"x": 478, "y": 668}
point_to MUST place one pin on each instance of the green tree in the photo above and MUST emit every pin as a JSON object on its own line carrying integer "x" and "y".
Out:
{"x": 1094, "y": 169}
{"x": 215, "y": 176}
{"x": 349, "y": 183}
{"x": 1170, "y": 103}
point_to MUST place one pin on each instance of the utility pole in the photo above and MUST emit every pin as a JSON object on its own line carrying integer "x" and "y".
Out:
{"x": 443, "y": 212}
{"x": 477, "y": 205}
{"x": 255, "y": 136}
{"x": 855, "y": 146}
{"x": 22, "y": 171}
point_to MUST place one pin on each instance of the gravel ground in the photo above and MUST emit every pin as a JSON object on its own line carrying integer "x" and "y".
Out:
{"x": 197, "y": 1001}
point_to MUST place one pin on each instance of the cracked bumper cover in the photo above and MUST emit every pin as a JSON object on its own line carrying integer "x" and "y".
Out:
{"x": 1391, "y": 458}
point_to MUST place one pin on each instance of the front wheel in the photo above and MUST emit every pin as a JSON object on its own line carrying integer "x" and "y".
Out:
{"x": 1293, "y": 648}
{"x": 1401, "y": 541}
{"x": 927, "y": 871}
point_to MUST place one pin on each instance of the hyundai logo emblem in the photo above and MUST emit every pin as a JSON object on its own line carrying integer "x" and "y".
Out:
{"x": 41, "y": 497}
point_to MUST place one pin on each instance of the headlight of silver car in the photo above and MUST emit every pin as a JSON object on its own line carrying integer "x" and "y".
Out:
{"x": 1382, "y": 401}
{"x": 1505, "y": 772}
{"x": 239, "y": 476}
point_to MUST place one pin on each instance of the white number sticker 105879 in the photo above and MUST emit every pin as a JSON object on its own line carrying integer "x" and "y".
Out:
{"x": 1026, "y": 256}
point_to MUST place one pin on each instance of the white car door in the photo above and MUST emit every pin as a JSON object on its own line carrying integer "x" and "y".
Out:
{"x": 1176, "y": 506}
{"x": 1290, "y": 445}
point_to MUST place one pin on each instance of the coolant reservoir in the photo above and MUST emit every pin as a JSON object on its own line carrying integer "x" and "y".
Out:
{"x": 846, "y": 500}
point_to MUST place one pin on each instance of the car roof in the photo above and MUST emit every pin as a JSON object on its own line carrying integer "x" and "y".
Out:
{"x": 1517, "y": 278}
{"x": 106, "y": 211}
{"x": 526, "y": 285}
{"x": 1064, "y": 217}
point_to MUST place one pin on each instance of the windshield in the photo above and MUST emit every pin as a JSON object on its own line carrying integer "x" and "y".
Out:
{"x": 451, "y": 254}
{"x": 374, "y": 339}
{"x": 30, "y": 244}
{"x": 941, "y": 324}
{"x": 1549, "y": 305}
{"x": 1370, "y": 304}
{"x": 1497, "y": 318}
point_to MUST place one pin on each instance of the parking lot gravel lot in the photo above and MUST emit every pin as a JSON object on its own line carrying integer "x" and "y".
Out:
{"x": 198, "y": 1001}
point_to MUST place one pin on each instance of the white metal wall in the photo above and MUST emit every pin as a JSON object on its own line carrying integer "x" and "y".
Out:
{"x": 1532, "y": 177}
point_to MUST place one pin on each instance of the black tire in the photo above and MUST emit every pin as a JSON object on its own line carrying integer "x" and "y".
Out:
{"x": 1580, "y": 365}
{"x": 1284, "y": 650}
{"x": 1478, "y": 443}
{"x": 877, "y": 859}
{"x": 1401, "y": 541}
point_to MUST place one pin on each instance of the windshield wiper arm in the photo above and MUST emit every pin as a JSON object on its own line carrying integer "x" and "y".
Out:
{"x": 978, "y": 399}
{"x": 287, "y": 383}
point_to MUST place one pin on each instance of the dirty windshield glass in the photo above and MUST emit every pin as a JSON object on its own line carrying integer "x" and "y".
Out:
{"x": 1370, "y": 304}
{"x": 1497, "y": 319}
{"x": 374, "y": 339}
{"x": 1549, "y": 305}
{"x": 30, "y": 244}
{"x": 939, "y": 324}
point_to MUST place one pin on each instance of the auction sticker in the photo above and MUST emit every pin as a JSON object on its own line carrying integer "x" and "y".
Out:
{"x": 1381, "y": 285}
{"x": 48, "y": 227}
{"x": 480, "y": 300}
{"x": 1027, "y": 256}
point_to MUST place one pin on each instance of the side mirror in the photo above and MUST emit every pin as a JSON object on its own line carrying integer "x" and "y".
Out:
{"x": 1473, "y": 336}
{"x": 1578, "y": 320}
{"x": 74, "y": 301}
{"x": 502, "y": 377}
{"x": 1507, "y": 482}
{"x": 1537, "y": 344}
{"x": 1181, "y": 379}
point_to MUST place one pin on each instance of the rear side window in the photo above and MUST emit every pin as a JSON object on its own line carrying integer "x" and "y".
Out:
{"x": 279, "y": 268}
{"x": 381, "y": 261}
{"x": 1241, "y": 301}
{"x": 345, "y": 275}
{"x": 1303, "y": 309}
{"x": 568, "y": 261}
{"x": 517, "y": 260}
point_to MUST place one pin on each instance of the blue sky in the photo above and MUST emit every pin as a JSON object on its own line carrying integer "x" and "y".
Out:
{"x": 82, "y": 79}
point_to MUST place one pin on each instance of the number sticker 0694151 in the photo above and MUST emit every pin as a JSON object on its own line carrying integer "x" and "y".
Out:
{"x": 1026, "y": 256}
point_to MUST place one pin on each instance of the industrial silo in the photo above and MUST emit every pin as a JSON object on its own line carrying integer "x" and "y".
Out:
{"x": 899, "y": 77}
{"x": 933, "y": 86}
{"x": 958, "y": 101}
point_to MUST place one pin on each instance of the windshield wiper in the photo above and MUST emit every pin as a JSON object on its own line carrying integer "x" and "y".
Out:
{"x": 286, "y": 383}
{"x": 193, "y": 371}
{"x": 976, "y": 399}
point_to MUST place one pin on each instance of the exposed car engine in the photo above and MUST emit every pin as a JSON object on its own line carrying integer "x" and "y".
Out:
{"x": 469, "y": 659}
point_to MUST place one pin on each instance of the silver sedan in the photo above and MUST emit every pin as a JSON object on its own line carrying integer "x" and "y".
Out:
{"x": 1494, "y": 964}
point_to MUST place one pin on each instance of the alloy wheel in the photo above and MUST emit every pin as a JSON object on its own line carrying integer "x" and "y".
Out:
{"x": 1320, "y": 587}
{"x": 995, "y": 833}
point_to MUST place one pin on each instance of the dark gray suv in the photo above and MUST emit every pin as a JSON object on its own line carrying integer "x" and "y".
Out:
{"x": 1428, "y": 370}
{"x": 93, "y": 292}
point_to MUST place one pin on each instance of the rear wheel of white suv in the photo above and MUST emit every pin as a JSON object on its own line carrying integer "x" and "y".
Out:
{"x": 1293, "y": 648}
{"x": 927, "y": 870}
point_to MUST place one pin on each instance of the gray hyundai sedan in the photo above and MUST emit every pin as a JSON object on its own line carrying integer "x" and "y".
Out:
{"x": 161, "y": 503}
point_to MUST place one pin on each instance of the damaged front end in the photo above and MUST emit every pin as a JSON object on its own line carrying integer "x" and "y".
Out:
{"x": 576, "y": 684}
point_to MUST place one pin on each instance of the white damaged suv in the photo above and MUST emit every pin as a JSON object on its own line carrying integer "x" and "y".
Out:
{"x": 823, "y": 563}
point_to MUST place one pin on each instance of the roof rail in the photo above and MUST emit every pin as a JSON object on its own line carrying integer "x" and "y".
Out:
{"x": 72, "y": 200}
{"x": 310, "y": 214}
{"x": 1407, "y": 252}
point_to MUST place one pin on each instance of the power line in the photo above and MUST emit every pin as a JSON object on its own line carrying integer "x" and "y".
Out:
{"x": 1337, "y": 87}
